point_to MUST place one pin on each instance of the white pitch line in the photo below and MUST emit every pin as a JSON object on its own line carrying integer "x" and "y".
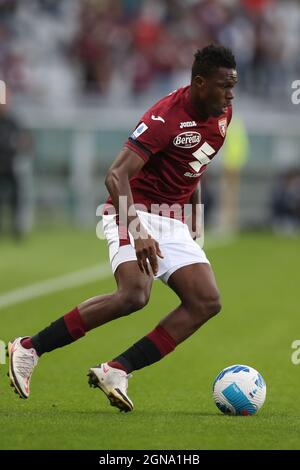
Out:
{"x": 77, "y": 278}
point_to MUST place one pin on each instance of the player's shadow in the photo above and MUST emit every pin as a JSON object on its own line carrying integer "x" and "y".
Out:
{"x": 174, "y": 414}
{"x": 145, "y": 413}
{"x": 137, "y": 413}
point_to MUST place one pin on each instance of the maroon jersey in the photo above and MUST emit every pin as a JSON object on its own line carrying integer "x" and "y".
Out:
{"x": 176, "y": 146}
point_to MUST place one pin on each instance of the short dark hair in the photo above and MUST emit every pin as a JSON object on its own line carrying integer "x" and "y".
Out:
{"x": 210, "y": 58}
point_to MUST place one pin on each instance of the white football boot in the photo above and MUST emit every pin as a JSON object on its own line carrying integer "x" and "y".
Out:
{"x": 21, "y": 364}
{"x": 114, "y": 383}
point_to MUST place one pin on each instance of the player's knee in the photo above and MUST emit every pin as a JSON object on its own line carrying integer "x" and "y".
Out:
{"x": 134, "y": 300}
{"x": 208, "y": 308}
{"x": 202, "y": 309}
{"x": 213, "y": 307}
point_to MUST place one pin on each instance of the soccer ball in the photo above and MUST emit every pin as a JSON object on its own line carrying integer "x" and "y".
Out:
{"x": 239, "y": 390}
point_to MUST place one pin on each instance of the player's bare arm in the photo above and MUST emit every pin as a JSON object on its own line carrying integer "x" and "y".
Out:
{"x": 126, "y": 165}
{"x": 196, "y": 219}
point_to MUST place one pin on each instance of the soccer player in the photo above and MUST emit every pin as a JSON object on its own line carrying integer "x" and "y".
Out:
{"x": 160, "y": 165}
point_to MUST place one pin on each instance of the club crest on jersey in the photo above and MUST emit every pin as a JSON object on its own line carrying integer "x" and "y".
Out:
{"x": 187, "y": 140}
{"x": 222, "y": 126}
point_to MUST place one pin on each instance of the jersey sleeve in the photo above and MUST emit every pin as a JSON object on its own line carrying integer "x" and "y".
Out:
{"x": 151, "y": 135}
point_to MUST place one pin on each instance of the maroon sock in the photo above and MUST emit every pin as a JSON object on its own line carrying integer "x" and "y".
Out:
{"x": 162, "y": 340}
{"x": 74, "y": 324}
{"x": 63, "y": 331}
{"x": 146, "y": 351}
{"x": 117, "y": 365}
{"x": 27, "y": 343}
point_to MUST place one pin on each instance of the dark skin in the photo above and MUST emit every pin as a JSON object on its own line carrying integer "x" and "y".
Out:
{"x": 126, "y": 165}
{"x": 194, "y": 284}
{"x": 211, "y": 95}
{"x": 195, "y": 200}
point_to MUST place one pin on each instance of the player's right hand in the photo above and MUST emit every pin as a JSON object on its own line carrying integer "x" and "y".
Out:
{"x": 147, "y": 249}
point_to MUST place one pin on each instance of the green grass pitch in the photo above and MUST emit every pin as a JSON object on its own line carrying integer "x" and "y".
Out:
{"x": 258, "y": 275}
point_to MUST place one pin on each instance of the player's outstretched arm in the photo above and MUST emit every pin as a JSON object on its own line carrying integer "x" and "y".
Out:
{"x": 127, "y": 164}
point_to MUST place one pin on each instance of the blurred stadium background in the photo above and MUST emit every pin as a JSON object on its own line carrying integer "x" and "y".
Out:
{"x": 79, "y": 74}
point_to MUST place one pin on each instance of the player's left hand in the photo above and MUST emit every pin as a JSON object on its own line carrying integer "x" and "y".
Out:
{"x": 147, "y": 249}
